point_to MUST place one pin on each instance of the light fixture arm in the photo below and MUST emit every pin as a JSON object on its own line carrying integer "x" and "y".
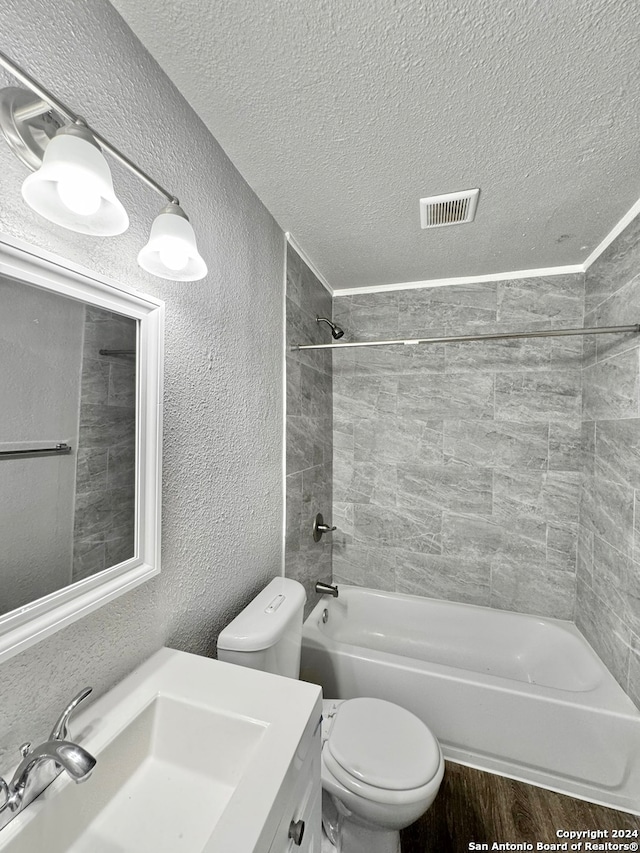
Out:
{"x": 47, "y": 101}
{"x": 31, "y": 110}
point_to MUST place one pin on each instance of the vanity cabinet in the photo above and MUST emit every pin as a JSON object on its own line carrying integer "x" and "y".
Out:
{"x": 299, "y": 829}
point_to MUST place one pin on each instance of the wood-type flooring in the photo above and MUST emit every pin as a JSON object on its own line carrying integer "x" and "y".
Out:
{"x": 476, "y": 808}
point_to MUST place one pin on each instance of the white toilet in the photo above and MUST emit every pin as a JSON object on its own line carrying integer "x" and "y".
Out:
{"x": 381, "y": 766}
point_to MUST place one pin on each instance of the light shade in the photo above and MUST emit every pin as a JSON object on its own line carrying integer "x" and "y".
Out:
{"x": 171, "y": 251}
{"x": 73, "y": 187}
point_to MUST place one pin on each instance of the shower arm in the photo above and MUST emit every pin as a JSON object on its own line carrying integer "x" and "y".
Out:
{"x": 336, "y": 331}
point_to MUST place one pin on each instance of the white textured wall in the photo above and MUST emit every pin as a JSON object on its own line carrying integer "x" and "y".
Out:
{"x": 222, "y": 518}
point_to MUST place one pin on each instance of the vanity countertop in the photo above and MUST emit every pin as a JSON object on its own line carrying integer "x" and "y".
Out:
{"x": 194, "y": 756}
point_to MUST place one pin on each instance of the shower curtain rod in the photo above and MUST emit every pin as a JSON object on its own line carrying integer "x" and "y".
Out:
{"x": 502, "y": 336}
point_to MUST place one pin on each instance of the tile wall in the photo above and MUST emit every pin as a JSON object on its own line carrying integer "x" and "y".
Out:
{"x": 457, "y": 467}
{"x": 105, "y": 473}
{"x": 608, "y": 568}
{"x": 309, "y": 427}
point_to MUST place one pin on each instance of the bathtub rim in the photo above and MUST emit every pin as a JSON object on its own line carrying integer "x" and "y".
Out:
{"x": 607, "y": 697}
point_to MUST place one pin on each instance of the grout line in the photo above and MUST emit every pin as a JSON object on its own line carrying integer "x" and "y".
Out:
{"x": 609, "y": 420}
{"x": 633, "y": 345}
{"x": 633, "y": 538}
{"x": 634, "y": 280}
{"x": 304, "y": 470}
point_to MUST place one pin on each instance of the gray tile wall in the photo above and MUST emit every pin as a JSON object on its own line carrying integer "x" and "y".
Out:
{"x": 104, "y": 519}
{"x": 308, "y": 427}
{"x": 608, "y": 568}
{"x": 457, "y": 467}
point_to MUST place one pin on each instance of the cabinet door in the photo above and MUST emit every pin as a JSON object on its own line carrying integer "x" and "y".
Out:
{"x": 312, "y": 841}
{"x": 302, "y": 815}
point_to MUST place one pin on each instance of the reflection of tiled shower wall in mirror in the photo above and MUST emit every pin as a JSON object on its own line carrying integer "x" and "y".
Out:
{"x": 105, "y": 478}
{"x": 41, "y": 337}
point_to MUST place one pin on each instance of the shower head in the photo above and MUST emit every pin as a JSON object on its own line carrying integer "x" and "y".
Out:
{"x": 336, "y": 331}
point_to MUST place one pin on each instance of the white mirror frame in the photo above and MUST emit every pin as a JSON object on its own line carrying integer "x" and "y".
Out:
{"x": 27, "y": 625}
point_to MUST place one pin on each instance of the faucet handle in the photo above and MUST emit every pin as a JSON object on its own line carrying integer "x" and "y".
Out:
{"x": 319, "y": 527}
{"x": 61, "y": 729}
{"x": 25, "y": 749}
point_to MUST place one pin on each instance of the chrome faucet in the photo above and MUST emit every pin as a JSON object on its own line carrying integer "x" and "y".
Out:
{"x": 40, "y": 766}
{"x": 326, "y": 589}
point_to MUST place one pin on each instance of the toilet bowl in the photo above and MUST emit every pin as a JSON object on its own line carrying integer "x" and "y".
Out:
{"x": 381, "y": 767}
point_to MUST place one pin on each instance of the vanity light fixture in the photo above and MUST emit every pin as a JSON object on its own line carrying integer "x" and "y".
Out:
{"x": 73, "y": 186}
{"x": 171, "y": 251}
{"x": 71, "y": 182}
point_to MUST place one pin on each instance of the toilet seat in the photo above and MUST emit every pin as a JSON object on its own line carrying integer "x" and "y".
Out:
{"x": 381, "y": 752}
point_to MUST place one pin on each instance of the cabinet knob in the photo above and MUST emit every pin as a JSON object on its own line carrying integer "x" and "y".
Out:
{"x": 296, "y": 831}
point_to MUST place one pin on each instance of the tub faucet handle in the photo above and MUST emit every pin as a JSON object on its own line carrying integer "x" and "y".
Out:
{"x": 319, "y": 527}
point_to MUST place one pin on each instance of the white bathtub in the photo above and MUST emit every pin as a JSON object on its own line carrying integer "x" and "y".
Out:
{"x": 517, "y": 695}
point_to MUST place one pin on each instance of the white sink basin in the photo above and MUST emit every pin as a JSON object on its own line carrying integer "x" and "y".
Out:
{"x": 191, "y": 754}
{"x": 161, "y": 784}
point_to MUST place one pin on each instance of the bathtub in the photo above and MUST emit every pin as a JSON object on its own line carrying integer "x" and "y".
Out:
{"x": 520, "y": 696}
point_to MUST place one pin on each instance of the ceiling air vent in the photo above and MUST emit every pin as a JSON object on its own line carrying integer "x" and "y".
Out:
{"x": 449, "y": 209}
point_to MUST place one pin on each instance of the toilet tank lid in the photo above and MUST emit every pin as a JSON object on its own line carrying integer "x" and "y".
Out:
{"x": 264, "y": 620}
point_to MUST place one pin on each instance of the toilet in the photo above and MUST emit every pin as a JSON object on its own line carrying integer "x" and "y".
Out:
{"x": 381, "y": 766}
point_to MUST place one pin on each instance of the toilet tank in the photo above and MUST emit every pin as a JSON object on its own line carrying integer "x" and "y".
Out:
{"x": 267, "y": 634}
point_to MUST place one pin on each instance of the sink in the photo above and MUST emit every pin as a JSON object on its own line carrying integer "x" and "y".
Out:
{"x": 191, "y": 754}
{"x": 175, "y": 762}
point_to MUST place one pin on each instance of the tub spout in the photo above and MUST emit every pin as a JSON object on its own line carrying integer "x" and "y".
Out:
{"x": 326, "y": 589}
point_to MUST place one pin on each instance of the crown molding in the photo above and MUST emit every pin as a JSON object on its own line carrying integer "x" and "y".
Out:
{"x": 474, "y": 279}
{"x": 314, "y": 269}
{"x": 466, "y": 279}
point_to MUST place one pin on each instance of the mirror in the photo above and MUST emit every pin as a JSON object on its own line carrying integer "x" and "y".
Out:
{"x": 67, "y": 441}
{"x": 79, "y": 442}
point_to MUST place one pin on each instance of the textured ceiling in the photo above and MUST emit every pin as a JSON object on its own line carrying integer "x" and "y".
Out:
{"x": 342, "y": 114}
